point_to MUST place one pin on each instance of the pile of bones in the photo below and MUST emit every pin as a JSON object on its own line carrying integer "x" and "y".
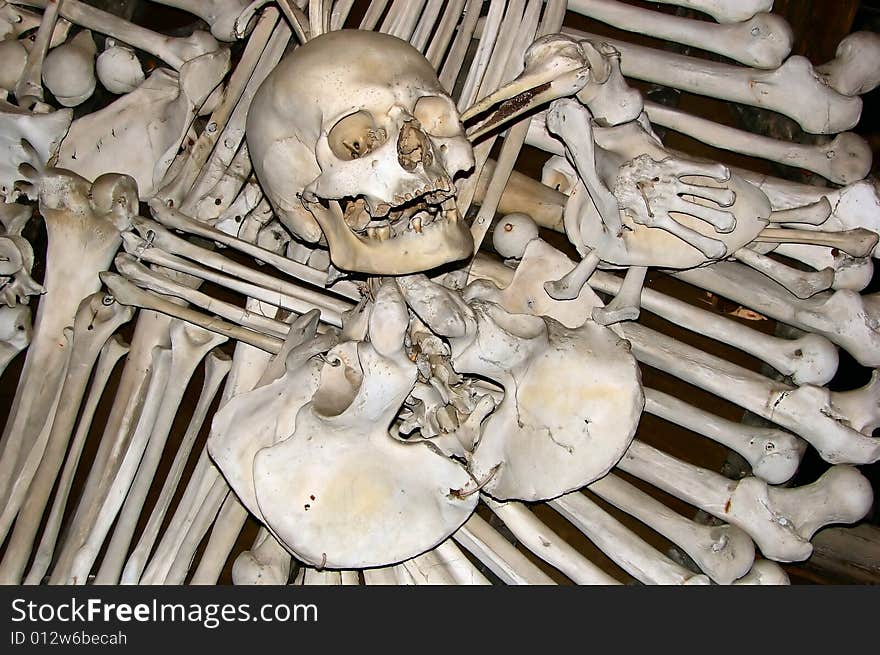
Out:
{"x": 297, "y": 209}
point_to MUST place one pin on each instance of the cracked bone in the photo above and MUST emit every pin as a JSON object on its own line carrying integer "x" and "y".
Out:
{"x": 762, "y": 41}
{"x": 380, "y": 142}
{"x": 803, "y": 284}
{"x": 844, "y": 317}
{"x": 781, "y": 521}
{"x": 362, "y": 384}
{"x": 821, "y": 109}
{"x": 724, "y": 11}
{"x": 458, "y": 565}
{"x": 83, "y": 221}
{"x": 811, "y": 359}
{"x": 119, "y": 70}
{"x": 428, "y": 569}
{"x": 190, "y": 344}
{"x": 774, "y": 455}
{"x": 15, "y": 332}
{"x": 113, "y": 350}
{"x": 724, "y": 553}
{"x": 97, "y": 318}
{"x": 622, "y": 545}
{"x": 140, "y": 133}
{"x": 813, "y": 413}
{"x": 498, "y": 554}
{"x": 69, "y": 70}
{"x": 843, "y": 160}
{"x": 547, "y": 545}
{"x": 522, "y": 353}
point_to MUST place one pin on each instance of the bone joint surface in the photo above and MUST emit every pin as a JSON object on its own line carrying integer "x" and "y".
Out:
{"x": 398, "y": 336}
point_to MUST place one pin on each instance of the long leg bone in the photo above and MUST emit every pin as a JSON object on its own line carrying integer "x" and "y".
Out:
{"x": 206, "y": 490}
{"x": 811, "y": 412}
{"x": 113, "y": 350}
{"x": 77, "y": 568}
{"x": 15, "y": 332}
{"x": 773, "y": 454}
{"x": 151, "y": 331}
{"x": 821, "y": 110}
{"x": 542, "y": 541}
{"x": 83, "y": 222}
{"x": 221, "y": 15}
{"x": 724, "y": 553}
{"x": 96, "y": 320}
{"x": 762, "y": 41}
{"x": 189, "y": 345}
{"x": 267, "y": 562}
{"x": 844, "y": 317}
{"x": 843, "y": 160}
{"x": 725, "y": 11}
{"x": 498, "y": 554}
{"x": 629, "y": 551}
{"x": 811, "y": 359}
{"x": 781, "y": 521}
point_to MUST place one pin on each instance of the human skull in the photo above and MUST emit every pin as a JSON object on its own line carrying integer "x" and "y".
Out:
{"x": 360, "y": 118}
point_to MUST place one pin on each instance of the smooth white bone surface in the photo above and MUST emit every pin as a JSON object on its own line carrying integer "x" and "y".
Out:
{"x": 306, "y": 224}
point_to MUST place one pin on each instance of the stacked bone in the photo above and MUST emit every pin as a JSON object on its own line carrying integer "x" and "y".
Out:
{"x": 389, "y": 408}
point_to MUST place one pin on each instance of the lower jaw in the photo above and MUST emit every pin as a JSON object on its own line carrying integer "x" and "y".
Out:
{"x": 404, "y": 255}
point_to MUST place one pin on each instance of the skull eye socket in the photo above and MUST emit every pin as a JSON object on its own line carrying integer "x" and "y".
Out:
{"x": 438, "y": 116}
{"x": 355, "y": 135}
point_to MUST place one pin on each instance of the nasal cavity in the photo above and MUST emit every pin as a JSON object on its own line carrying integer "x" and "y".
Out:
{"x": 413, "y": 147}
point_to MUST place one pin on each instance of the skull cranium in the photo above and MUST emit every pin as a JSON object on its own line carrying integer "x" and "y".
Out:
{"x": 353, "y": 136}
